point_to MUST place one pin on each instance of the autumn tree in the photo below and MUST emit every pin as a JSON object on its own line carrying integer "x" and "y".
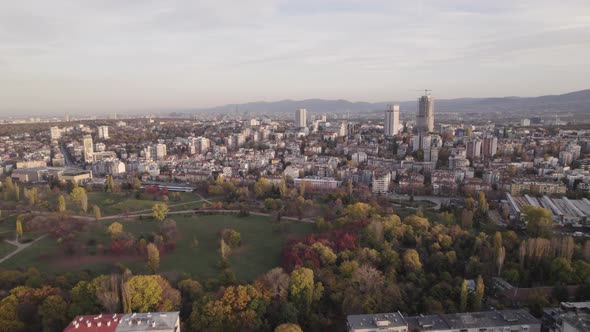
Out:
{"x": 466, "y": 219}
{"x": 110, "y": 184}
{"x": 303, "y": 291}
{"x": 145, "y": 293}
{"x": 61, "y": 204}
{"x": 53, "y": 313}
{"x": 479, "y": 293}
{"x": 539, "y": 221}
{"x": 19, "y": 229}
{"x": 262, "y": 187}
{"x": 76, "y": 194}
{"x": 9, "y": 315}
{"x": 153, "y": 259}
{"x": 84, "y": 202}
{"x": 411, "y": 260}
{"x": 288, "y": 327}
{"x": 115, "y": 230}
{"x": 96, "y": 211}
{"x": 159, "y": 211}
{"x": 463, "y": 296}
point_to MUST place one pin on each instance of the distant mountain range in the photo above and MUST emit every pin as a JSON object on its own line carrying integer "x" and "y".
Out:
{"x": 574, "y": 102}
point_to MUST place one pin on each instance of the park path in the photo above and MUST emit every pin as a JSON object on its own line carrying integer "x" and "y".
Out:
{"x": 20, "y": 247}
{"x": 306, "y": 220}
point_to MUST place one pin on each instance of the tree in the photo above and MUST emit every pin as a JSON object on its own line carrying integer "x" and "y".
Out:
{"x": 110, "y": 185}
{"x": 301, "y": 289}
{"x": 84, "y": 202}
{"x": 115, "y": 230}
{"x": 153, "y": 258}
{"x": 224, "y": 250}
{"x": 144, "y": 293}
{"x": 277, "y": 282}
{"x": 76, "y": 194}
{"x": 8, "y": 184}
{"x": 106, "y": 291}
{"x": 479, "y": 293}
{"x": 466, "y": 219}
{"x": 500, "y": 259}
{"x": 19, "y": 229}
{"x": 9, "y": 318}
{"x": 412, "y": 261}
{"x": 562, "y": 270}
{"x": 96, "y": 211}
{"x": 16, "y": 192}
{"x": 53, "y": 311}
{"x": 539, "y": 221}
{"x": 136, "y": 184}
{"x": 482, "y": 202}
{"x": 62, "y": 204}
{"x": 464, "y": 296}
{"x": 159, "y": 211}
{"x": 262, "y": 187}
{"x": 288, "y": 327}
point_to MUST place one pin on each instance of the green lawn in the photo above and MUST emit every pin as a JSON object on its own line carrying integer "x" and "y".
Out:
{"x": 262, "y": 244}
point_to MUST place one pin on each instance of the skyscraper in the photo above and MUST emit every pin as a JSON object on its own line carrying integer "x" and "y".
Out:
{"x": 301, "y": 118}
{"x": 425, "y": 116}
{"x": 391, "y": 126}
{"x": 88, "y": 149}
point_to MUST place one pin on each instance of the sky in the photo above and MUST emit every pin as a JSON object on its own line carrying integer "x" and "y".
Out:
{"x": 117, "y": 56}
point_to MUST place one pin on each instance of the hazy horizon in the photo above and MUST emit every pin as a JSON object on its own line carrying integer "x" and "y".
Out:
{"x": 114, "y": 56}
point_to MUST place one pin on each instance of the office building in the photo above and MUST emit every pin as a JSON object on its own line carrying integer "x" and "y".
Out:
{"x": 103, "y": 132}
{"x": 301, "y": 118}
{"x": 425, "y": 116}
{"x": 88, "y": 149}
{"x": 391, "y": 126}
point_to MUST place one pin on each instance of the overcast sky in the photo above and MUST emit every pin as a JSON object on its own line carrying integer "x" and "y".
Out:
{"x": 116, "y": 55}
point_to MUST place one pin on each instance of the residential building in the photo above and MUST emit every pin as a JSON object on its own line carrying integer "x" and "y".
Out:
{"x": 317, "y": 182}
{"x": 55, "y": 133}
{"x": 103, "y": 132}
{"x": 391, "y": 126}
{"x": 518, "y": 320}
{"x": 381, "y": 182}
{"x": 301, "y": 118}
{"x": 536, "y": 186}
{"x": 88, "y": 149}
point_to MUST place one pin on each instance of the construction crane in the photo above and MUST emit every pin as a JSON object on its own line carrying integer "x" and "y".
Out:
{"x": 426, "y": 91}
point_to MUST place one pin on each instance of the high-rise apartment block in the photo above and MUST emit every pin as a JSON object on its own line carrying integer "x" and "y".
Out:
{"x": 103, "y": 132}
{"x": 425, "y": 116}
{"x": 391, "y": 126}
{"x": 55, "y": 133}
{"x": 88, "y": 149}
{"x": 301, "y": 118}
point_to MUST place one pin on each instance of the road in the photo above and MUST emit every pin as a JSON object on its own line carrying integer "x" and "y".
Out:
{"x": 438, "y": 200}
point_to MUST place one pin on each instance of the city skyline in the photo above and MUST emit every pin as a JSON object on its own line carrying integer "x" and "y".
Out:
{"x": 216, "y": 53}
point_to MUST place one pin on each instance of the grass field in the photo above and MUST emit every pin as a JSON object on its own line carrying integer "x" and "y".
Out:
{"x": 262, "y": 241}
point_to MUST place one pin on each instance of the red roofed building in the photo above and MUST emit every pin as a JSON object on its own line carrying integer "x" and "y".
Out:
{"x": 94, "y": 323}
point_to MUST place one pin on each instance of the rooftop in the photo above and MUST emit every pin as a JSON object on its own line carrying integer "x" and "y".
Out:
{"x": 394, "y": 319}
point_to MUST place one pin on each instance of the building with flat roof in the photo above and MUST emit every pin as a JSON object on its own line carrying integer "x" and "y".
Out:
{"x": 518, "y": 320}
{"x": 135, "y": 322}
{"x": 389, "y": 322}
